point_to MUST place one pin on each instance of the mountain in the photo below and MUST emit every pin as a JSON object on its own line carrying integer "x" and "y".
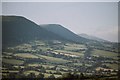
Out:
{"x": 65, "y": 33}
{"x": 17, "y": 29}
{"x": 92, "y": 38}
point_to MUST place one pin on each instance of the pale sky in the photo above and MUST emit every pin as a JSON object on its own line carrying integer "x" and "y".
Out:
{"x": 99, "y": 19}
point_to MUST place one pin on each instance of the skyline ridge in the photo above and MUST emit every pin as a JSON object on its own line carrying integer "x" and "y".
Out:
{"x": 50, "y": 24}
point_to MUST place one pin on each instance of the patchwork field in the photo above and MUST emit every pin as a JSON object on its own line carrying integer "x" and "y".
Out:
{"x": 58, "y": 59}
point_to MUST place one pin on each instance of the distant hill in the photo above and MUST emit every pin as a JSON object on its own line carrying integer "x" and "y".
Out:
{"x": 92, "y": 37}
{"x": 17, "y": 29}
{"x": 65, "y": 33}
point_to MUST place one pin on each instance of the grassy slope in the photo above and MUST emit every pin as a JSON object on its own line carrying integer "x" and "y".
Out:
{"x": 105, "y": 53}
{"x": 53, "y": 59}
{"x": 12, "y": 61}
{"x": 26, "y": 55}
{"x": 72, "y": 53}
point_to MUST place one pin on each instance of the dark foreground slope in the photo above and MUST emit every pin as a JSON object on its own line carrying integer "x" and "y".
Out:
{"x": 17, "y": 29}
{"x": 65, "y": 33}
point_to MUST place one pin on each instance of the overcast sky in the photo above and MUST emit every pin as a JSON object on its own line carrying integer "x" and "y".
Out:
{"x": 94, "y": 18}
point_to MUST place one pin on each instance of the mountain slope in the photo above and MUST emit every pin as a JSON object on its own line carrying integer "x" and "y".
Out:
{"x": 65, "y": 33}
{"x": 92, "y": 38}
{"x": 17, "y": 29}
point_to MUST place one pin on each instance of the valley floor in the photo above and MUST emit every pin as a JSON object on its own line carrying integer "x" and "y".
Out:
{"x": 55, "y": 59}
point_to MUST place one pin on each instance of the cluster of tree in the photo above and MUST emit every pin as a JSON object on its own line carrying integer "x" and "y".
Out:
{"x": 65, "y": 76}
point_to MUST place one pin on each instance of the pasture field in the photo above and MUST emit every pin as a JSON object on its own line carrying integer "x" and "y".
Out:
{"x": 53, "y": 59}
{"x": 6, "y": 53}
{"x": 80, "y": 64}
{"x": 39, "y": 42}
{"x": 25, "y": 55}
{"x": 38, "y": 64}
{"x": 113, "y": 66}
{"x": 12, "y": 61}
{"x": 34, "y": 64}
{"x": 71, "y": 47}
{"x": 46, "y": 75}
{"x": 104, "y": 53}
{"x": 75, "y": 45}
{"x": 53, "y": 71}
{"x": 44, "y": 48}
{"x": 80, "y": 54}
{"x": 48, "y": 66}
{"x": 57, "y": 76}
{"x": 31, "y": 71}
